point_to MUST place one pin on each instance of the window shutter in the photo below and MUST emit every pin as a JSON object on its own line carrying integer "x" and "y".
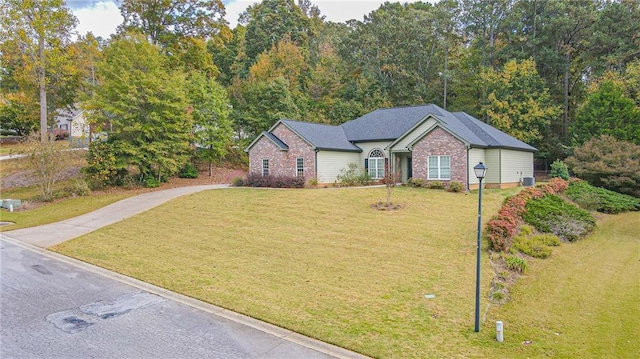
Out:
{"x": 366, "y": 164}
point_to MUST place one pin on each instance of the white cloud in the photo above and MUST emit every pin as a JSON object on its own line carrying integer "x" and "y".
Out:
{"x": 101, "y": 18}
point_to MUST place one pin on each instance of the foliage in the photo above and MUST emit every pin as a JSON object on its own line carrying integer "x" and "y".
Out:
{"x": 519, "y": 102}
{"x": 237, "y": 182}
{"x": 607, "y": 111}
{"x": 151, "y": 182}
{"x": 48, "y": 164}
{"x": 80, "y": 187}
{"x": 600, "y": 199}
{"x": 559, "y": 169}
{"x": 532, "y": 246}
{"x": 257, "y": 180}
{"x": 551, "y": 214}
{"x": 37, "y": 60}
{"x": 353, "y": 176}
{"x": 169, "y": 21}
{"x": 19, "y": 112}
{"x": 435, "y": 185}
{"x": 455, "y": 186}
{"x": 516, "y": 264}
{"x": 210, "y": 108}
{"x": 502, "y": 227}
{"x": 609, "y": 163}
{"x": 103, "y": 167}
{"x": 145, "y": 106}
{"x": 188, "y": 171}
{"x": 416, "y": 182}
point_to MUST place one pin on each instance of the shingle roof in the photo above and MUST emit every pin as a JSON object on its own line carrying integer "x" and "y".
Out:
{"x": 391, "y": 123}
{"x": 388, "y": 123}
{"x": 323, "y": 137}
{"x": 276, "y": 140}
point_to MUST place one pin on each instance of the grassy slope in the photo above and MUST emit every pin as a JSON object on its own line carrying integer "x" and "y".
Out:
{"x": 319, "y": 262}
{"x": 322, "y": 263}
{"x": 587, "y": 292}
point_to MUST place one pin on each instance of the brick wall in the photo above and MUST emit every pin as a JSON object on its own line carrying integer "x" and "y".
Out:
{"x": 440, "y": 143}
{"x": 282, "y": 163}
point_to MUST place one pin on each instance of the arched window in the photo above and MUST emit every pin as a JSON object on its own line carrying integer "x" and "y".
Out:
{"x": 375, "y": 164}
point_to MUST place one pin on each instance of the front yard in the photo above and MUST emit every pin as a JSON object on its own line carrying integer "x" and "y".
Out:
{"x": 323, "y": 263}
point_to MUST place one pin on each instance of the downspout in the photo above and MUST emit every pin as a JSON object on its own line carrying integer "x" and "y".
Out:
{"x": 500, "y": 168}
{"x": 468, "y": 177}
{"x": 315, "y": 170}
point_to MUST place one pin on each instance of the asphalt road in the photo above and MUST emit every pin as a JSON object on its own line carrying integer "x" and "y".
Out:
{"x": 55, "y": 307}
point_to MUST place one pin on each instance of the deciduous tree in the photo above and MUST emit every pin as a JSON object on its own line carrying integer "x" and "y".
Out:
{"x": 145, "y": 105}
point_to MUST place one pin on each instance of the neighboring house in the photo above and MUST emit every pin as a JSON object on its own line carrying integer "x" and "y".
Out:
{"x": 75, "y": 123}
{"x": 425, "y": 142}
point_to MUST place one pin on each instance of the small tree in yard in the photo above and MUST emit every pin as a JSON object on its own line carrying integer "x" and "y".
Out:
{"x": 48, "y": 163}
{"x": 390, "y": 180}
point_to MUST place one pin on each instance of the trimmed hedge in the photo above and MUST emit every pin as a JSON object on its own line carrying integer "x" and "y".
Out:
{"x": 551, "y": 214}
{"x": 257, "y": 180}
{"x": 601, "y": 199}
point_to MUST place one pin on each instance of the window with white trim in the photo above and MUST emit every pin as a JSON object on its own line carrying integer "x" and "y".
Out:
{"x": 265, "y": 167}
{"x": 300, "y": 167}
{"x": 375, "y": 166}
{"x": 439, "y": 167}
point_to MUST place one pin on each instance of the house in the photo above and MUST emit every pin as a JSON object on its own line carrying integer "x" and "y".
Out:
{"x": 74, "y": 122}
{"x": 420, "y": 142}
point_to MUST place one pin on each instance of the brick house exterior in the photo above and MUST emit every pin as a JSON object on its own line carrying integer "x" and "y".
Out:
{"x": 283, "y": 162}
{"x": 440, "y": 143}
{"x": 425, "y": 142}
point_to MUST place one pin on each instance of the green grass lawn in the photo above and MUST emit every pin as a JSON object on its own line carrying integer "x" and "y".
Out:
{"x": 58, "y": 211}
{"x": 323, "y": 263}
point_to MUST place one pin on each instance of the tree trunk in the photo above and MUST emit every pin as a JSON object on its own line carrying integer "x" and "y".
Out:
{"x": 43, "y": 92}
{"x": 210, "y": 168}
{"x": 565, "y": 118}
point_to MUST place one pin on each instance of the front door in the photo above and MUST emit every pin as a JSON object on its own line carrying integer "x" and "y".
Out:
{"x": 409, "y": 168}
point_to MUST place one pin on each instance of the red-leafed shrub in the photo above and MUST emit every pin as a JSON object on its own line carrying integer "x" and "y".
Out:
{"x": 504, "y": 226}
{"x": 555, "y": 186}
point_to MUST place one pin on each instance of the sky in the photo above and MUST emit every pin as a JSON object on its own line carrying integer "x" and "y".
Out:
{"x": 101, "y": 17}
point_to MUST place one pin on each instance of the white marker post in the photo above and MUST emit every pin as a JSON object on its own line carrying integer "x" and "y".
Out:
{"x": 499, "y": 332}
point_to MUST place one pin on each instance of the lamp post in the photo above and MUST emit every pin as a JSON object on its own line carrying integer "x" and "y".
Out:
{"x": 481, "y": 170}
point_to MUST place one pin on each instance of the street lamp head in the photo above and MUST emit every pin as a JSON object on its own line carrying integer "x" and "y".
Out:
{"x": 480, "y": 169}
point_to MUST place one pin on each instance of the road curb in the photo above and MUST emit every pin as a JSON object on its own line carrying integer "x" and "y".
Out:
{"x": 285, "y": 334}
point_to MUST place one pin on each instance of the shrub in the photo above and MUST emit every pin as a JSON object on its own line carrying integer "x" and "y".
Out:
{"x": 237, "y": 182}
{"x": 517, "y": 264}
{"x": 416, "y": 182}
{"x": 559, "y": 170}
{"x": 531, "y": 247}
{"x": 455, "y": 186}
{"x": 547, "y": 239}
{"x": 353, "y": 176}
{"x": 555, "y": 186}
{"x": 102, "y": 168}
{"x": 313, "y": 182}
{"x": 609, "y": 163}
{"x": 551, "y": 214}
{"x": 435, "y": 185}
{"x": 80, "y": 188}
{"x": 257, "y": 180}
{"x": 601, "y": 199}
{"x": 151, "y": 182}
{"x": 188, "y": 171}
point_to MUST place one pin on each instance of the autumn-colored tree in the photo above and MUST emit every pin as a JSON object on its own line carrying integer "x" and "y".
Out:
{"x": 33, "y": 40}
{"x": 519, "y": 103}
{"x": 607, "y": 162}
